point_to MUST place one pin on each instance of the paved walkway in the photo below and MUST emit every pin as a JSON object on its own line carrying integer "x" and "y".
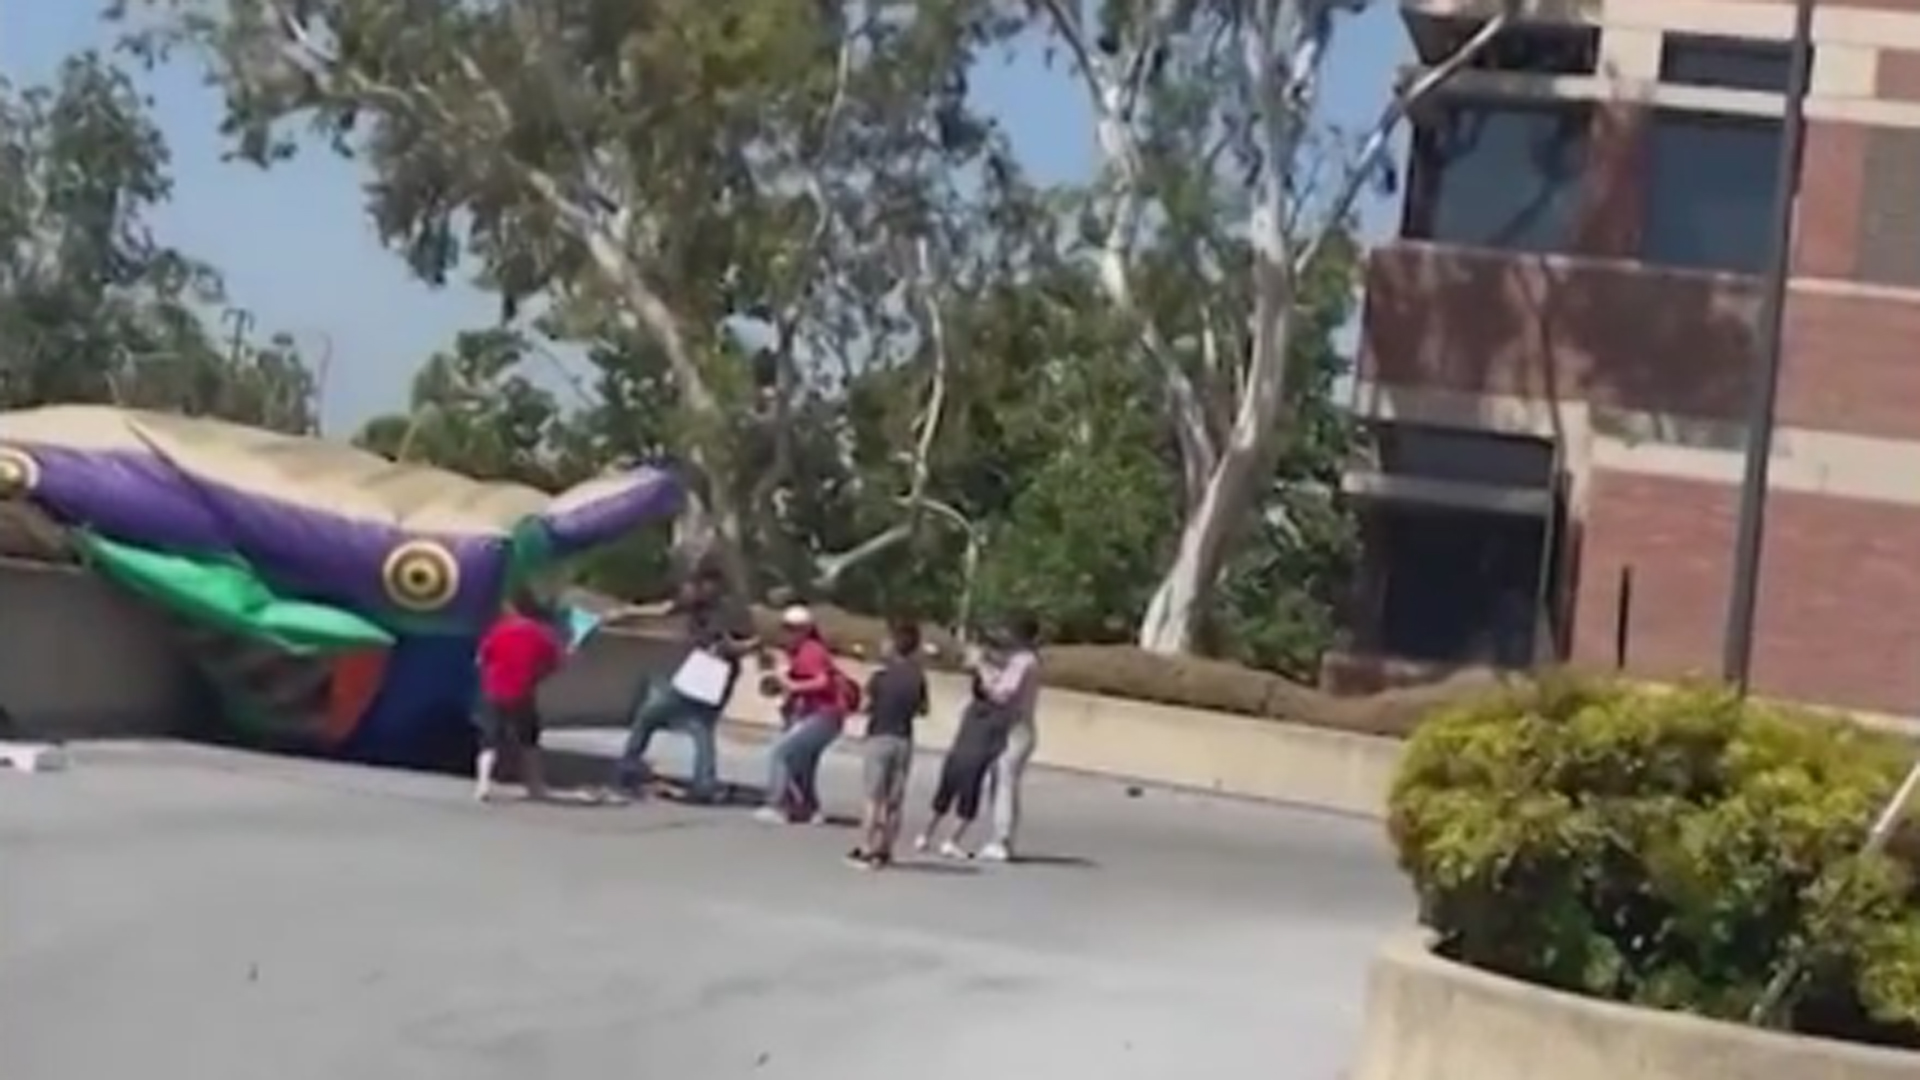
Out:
{"x": 180, "y": 913}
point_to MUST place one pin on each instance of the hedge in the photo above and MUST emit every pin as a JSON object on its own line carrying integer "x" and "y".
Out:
{"x": 1191, "y": 682}
{"x": 1667, "y": 848}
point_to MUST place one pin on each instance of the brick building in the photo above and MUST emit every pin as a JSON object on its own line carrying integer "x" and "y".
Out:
{"x": 1556, "y": 354}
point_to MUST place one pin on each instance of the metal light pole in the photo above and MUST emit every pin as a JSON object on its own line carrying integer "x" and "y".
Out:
{"x": 1745, "y": 595}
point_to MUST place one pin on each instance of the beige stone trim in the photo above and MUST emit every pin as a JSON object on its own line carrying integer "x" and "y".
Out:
{"x": 1568, "y": 423}
{"x": 1834, "y": 23}
{"x": 1846, "y": 71}
{"x": 1810, "y": 462}
{"x": 1563, "y": 263}
{"x": 1804, "y": 460}
{"x": 1522, "y": 86}
{"x": 1628, "y": 53}
{"x": 1856, "y": 290}
{"x": 1453, "y": 494}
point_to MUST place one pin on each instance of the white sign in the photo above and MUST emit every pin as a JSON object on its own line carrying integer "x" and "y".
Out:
{"x": 703, "y": 678}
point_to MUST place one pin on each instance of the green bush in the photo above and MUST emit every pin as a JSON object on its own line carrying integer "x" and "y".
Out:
{"x": 1666, "y": 848}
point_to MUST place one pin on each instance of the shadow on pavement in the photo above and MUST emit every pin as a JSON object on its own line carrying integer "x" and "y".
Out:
{"x": 1057, "y": 862}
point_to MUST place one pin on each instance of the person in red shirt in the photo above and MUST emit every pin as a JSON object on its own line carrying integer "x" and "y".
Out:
{"x": 815, "y": 709}
{"x": 517, "y": 653}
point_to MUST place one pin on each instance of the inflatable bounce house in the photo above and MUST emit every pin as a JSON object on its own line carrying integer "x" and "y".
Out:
{"x": 331, "y": 598}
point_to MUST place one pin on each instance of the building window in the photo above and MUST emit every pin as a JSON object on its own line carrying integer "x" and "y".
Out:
{"x": 1710, "y": 187}
{"x": 1500, "y": 176}
{"x": 1542, "y": 49}
{"x": 1727, "y": 63}
{"x": 1530, "y": 48}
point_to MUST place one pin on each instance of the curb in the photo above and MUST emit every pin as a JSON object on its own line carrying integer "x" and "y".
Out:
{"x": 1429, "y": 1018}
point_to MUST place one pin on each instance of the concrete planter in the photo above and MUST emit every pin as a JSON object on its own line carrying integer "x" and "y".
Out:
{"x": 1432, "y": 1019}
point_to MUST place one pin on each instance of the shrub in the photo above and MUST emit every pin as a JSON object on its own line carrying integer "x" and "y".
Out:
{"x": 1666, "y": 848}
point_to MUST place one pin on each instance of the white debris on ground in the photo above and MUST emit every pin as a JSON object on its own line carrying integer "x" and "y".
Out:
{"x": 33, "y": 757}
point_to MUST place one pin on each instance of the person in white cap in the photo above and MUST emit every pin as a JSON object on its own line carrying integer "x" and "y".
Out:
{"x": 814, "y": 709}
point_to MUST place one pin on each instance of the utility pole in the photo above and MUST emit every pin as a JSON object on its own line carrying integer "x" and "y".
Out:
{"x": 241, "y": 320}
{"x": 1744, "y": 597}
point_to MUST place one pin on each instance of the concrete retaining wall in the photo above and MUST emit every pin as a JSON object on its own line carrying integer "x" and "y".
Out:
{"x": 78, "y": 659}
{"x": 1429, "y": 1019}
{"x": 1162, "y": 744}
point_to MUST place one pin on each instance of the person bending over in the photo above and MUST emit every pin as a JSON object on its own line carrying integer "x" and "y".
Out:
{"x": 720, "y": 627}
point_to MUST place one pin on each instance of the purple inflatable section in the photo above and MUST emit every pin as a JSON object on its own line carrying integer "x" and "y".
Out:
{"x": 134, "y": 497}
{"x": 369, "y": 567}
{"x": 601, "y": 511}
{"x": 142, "y": 499}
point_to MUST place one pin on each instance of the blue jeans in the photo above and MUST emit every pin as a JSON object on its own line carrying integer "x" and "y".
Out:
{"x": 793, "y": 764}
{"x": 662, "y": 708}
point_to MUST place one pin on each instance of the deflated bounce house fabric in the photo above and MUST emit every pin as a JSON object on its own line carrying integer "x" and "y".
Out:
{"x": 332, "y": 598}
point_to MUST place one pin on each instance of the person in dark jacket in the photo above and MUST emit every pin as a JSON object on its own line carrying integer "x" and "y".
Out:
{"x": 716, "y": 624}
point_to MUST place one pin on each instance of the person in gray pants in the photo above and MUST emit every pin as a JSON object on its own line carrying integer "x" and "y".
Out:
{"x": 1011, "y": 682}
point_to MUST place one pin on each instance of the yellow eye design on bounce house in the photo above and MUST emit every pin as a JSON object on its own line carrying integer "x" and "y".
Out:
{"x": 421, "y": 576}
{"x": 19, "y": 474}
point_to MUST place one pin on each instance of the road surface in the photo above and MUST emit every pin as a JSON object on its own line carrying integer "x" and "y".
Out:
{"x": 171, "y": 912}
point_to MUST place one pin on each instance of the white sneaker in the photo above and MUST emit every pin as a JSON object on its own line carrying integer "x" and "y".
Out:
{"x": 996, "y": 852}
{"x": 922, "y": 842}
{"x": 951, "y": 850}
{"x": 767, "y": 815}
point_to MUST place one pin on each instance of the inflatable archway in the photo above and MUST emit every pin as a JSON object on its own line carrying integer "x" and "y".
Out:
{"x": 331, "y": 597}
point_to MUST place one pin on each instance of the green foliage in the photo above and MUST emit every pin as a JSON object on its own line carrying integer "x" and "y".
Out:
{"x": 776, "y": 228}
{"x": 1668, "y": 849}
{"x": 92, "y": 307}
{"x": 474, "y": 409}
{"x": 1082, "y": 542}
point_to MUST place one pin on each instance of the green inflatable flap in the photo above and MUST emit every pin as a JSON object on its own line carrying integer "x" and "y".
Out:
{"x": 228, "y": 595}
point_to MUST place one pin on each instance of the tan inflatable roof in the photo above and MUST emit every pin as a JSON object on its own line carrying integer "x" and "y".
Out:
{"x": 326, "y": 476}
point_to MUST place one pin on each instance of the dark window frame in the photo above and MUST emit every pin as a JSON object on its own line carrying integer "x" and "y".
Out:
{"x": 1543, "y": 49}
{"x": 1526, "y": 48}
{"x": 1695, "y": 128}
{"x": 1431, "y": 158}
{"x": 1725, "y": 63}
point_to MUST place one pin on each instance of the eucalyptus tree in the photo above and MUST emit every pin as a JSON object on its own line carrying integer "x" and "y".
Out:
{"x": 1218, "y": 180}
{"x": 697, "y": 182}
{"x": 94, "y": 307}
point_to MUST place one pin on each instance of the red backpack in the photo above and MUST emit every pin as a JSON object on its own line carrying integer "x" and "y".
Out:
{"x": 847, "y": 689}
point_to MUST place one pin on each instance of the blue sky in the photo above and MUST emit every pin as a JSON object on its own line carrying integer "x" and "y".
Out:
{"x": 297, "y": 251}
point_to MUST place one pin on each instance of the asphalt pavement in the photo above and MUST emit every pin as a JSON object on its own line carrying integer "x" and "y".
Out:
{"x": 172, "y": 912}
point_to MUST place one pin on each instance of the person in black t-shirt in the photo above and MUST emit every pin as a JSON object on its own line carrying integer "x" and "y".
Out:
{"x": 715, "y": 624}
{"x": 896, "y": 698}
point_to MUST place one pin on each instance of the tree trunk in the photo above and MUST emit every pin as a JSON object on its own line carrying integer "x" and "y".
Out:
{"x": 1243, "y": 464}
{"x": 1233, "y": 489}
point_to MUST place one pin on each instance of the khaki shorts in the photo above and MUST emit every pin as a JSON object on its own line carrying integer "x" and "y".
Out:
{"x": 889, "y": 764}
